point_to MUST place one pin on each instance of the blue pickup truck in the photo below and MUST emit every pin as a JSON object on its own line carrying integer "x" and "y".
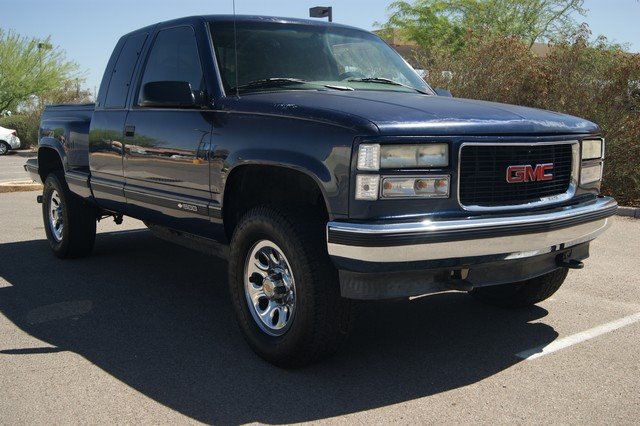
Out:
{"x": 315, "y": 159}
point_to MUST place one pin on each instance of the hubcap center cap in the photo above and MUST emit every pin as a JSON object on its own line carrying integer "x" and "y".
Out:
{"x": 269, "y": 287}
{"x": 274, "y": 286}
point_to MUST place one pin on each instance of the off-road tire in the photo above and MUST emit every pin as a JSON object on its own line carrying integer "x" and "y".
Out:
{"x": 523, "y": 293}
{"x": 79, "y": 219}
{"x": 322, "y": 318}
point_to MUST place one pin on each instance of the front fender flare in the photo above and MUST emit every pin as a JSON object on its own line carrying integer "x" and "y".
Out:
{"x": 305, "y": 164}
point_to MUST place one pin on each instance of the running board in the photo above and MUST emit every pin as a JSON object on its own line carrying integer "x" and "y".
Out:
{"x": 190, "y": 241}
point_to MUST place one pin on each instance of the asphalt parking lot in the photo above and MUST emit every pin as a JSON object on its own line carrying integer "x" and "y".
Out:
{"x": 142, "y": 332}
{"x": 11, "y": 166}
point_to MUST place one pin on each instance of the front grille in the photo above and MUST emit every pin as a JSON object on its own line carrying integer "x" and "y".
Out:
{"x": 483, "y": 171}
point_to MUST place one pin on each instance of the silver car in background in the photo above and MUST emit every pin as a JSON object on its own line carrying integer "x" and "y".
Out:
{"x": 8, "y": 140}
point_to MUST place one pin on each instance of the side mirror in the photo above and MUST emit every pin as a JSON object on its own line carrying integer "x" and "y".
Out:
{"x": 167, "y": 94}
{"x": 443, "y": 92}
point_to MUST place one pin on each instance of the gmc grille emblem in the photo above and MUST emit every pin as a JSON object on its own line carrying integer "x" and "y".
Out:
{"x": 526, "y": 173}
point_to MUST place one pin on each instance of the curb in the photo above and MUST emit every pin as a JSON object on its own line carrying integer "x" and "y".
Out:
{"x": 628, "y": 212}
{"x": 25, "y": 153}
{"x": 21, "y": 186}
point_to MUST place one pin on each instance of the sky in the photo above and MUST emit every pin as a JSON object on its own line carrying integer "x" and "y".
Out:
{"x": 89, "y": 29}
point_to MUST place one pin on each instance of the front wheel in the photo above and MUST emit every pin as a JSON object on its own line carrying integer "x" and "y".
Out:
{"x": 285, "y": 289}
{"x": 523, "y": 293}
{"x": 69, "y": 222}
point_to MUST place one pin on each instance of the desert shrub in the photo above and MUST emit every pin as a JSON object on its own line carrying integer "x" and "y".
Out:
{"x": 27, "y": 122}
{"x": 596, "y": 81}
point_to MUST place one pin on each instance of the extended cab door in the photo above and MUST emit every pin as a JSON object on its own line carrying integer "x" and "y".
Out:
{"x": 167, "y": 145}
{"x": 107, "y": 124}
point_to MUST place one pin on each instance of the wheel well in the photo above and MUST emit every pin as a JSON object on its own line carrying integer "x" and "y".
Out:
{"x": 48, "y": 161}
{"x": 253, "y": 185}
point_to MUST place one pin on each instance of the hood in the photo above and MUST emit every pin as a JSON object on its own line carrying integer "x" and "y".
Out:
{"x": 402, "y": 113}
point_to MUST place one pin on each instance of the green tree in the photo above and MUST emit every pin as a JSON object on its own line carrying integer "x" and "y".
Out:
{"x": 31, "y": 67}
{"x": 591, "y": 79}
{"x": 429, "y": 23}
{"x": 445, "y": 23}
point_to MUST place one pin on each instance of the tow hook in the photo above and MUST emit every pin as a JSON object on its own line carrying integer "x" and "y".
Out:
{"x": 458, "y": 281}
{"x": 565, "y": 261}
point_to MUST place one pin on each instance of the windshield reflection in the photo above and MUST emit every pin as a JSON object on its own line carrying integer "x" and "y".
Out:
{"x": 318, "y": 57}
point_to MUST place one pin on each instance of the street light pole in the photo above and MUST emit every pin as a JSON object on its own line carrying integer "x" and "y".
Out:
{"x": 44, "y": 46}
{"x": 321, "y": 12}
{"x": 41, "y": 48}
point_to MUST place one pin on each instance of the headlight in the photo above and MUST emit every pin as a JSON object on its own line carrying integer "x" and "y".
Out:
{"x": 411, "y": 156}
{"x": 592, "y": 149}
{"x": 375, "y": 156}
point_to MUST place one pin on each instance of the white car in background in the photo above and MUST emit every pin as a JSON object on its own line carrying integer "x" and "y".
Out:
{"x": 8, "y": 140}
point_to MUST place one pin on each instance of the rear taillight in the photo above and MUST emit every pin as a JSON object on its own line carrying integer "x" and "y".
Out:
{"x": 14, "y": 133}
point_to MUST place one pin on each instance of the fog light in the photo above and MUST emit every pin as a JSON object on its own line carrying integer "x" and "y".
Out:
{"x": 590, "y": 174}
{"x": 367, "y": 187}
{"x": 415, "y": 187}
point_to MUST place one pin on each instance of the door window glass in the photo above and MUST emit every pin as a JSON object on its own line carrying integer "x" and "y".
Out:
{"x": 174, "y": 57}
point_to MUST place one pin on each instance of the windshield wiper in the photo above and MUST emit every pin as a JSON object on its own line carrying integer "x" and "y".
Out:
{"x": 383, "y": 80}
{"x": 269, "y": 82}
{"x": 283, "y": 81}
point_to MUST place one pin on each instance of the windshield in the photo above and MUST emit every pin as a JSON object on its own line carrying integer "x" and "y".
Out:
{"x": 311, "y": 58}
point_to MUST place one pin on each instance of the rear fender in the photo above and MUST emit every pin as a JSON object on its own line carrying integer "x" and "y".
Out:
{"x": 77, "y": 181}
{"x": 55, "y": 145}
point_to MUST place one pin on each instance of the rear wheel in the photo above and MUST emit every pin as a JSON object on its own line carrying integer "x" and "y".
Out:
{"x": 285, "y": 289}
{"x": 523, "y": 293}
{"x": 4, "y": 147}
{"x": 69, "y": 222}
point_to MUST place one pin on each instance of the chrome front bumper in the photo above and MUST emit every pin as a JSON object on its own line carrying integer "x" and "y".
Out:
{"x": 506, "y": 237}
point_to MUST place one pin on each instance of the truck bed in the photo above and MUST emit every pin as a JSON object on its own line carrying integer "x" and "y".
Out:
{"x": 70, "y": 107}
{"x": 69, "y": 124}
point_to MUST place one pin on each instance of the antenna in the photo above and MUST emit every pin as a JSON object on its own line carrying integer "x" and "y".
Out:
{"x": 235, "y": 47}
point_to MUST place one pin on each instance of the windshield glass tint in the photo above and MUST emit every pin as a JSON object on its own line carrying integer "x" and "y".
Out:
{"x": 316, "y": 54}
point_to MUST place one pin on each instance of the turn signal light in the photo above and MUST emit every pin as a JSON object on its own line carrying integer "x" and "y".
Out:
{"x": 367, "y": 187}
{"x": 415, "y": 187}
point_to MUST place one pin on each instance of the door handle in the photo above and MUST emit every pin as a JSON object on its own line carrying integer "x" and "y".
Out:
{"x": 129, "y": 131}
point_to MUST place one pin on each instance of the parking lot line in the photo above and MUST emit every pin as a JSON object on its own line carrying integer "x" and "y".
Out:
{"x": 565, "y": 342}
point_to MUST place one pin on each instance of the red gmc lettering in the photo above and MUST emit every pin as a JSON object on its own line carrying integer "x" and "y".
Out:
{"x": 527, "y": 173}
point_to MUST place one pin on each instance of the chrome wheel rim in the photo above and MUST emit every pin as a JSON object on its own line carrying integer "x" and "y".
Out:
{"x": 56, "y": 220}
{"x": 269, "y": 288}
{"x": 3, "y": 149}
